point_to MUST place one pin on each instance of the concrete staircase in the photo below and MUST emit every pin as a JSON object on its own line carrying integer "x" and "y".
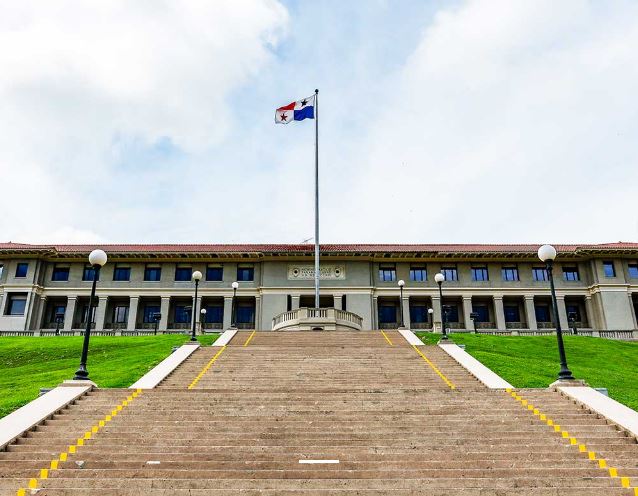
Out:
{"x": 399, "y": 423}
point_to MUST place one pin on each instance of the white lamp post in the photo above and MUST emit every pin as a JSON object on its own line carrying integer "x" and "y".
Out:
{"x": 197, "y": 276}
{"x": 439, "y": 278}
{"x": 401, "y": 283}
{"x": 97, "y": 259}
{"x": 431, "y": 316}
{"x": 233, "y": 324}
{"x": 202, "y": 319}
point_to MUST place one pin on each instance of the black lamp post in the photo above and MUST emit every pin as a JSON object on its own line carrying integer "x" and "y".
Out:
{"x": 401, "y": 284}
{"x": 547, "y": 254}
{"x": 439, "y": 278}
{"x": 59, "y": 318}
{"x": 431, "y": 316}
{"x": 202, "y": 319}
{"x": 572, "y": 321}
{"x": 156, "y": 318}
{"x": 233, "y": 324}
{"x": 197, "y": 276}
{"x": 474, "y": 316}
{"x": 97, "y": 258}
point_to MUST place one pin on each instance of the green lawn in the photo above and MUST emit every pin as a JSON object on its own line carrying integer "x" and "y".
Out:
{"x": 28, "y": 364}
{"x": 533, "y": 361}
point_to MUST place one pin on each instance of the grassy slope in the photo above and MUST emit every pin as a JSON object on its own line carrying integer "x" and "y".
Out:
{"x": 28, "y": 364}
{"x": 533, "y": 361}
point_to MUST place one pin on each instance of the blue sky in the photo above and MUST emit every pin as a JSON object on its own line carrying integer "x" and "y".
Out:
{"x": 468, "y": 121}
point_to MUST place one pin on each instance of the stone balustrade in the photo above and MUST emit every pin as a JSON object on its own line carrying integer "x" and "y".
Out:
{"x": 308, "y": 319}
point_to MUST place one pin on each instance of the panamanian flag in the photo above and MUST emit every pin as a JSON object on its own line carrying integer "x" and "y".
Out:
{"x": 296, "y": 111}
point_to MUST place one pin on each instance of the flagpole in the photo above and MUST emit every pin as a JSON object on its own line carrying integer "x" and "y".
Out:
{"x": 316, "y": 110}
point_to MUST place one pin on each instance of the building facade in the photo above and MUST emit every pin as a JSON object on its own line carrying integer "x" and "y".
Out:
{"x": 143, "y": 287}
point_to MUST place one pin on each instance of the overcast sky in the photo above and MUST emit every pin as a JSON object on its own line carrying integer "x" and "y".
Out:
{"x": 469, "y": 121}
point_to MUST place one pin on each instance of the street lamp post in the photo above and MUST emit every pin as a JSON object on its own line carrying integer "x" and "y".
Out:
{"x": 431, "y": 316}
{"x": 233, "y": 324}
{"x": 439, "y": 278}
{"x": 401, "y": 284}
{"x": 202, "y": 319}
{"x": 59, "y": 318}
{"x": 474, "y": 316}
{"x": 156, "y": 318}
{"x": 197, "y": 276}
{"x": 572, "y": 321}
{"x": 97, "y": 258}
{"x": 547, "y": 254}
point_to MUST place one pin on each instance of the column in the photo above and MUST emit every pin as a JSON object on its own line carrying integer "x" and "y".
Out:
{"x": 338, "y": 302}
{"x": 100, "y": 313}
{"x": 39, "y": 323}
{"x": 295, "y": 302}
{"x": 530, "y": 312}
{"x": 69, "y": 313}
{"x": 436, "y": 306}
{"x": 257, "y": 313}
{"x": 467, "y": 310}
{"x": 589, "y": 308}
{"x": 632, "y": 311}
{"x": 165, "y": 308}
{"x": 375, "y": 312}
{"x": 228, "y": 310}
{"x": 134, "y": 302}
{"x": 562, "y": 313}
{"x": 499, "y": 312}
{"x": 3, "y": 301}
{"x": 195, "y": 312}
{"x": 406, "y": 311}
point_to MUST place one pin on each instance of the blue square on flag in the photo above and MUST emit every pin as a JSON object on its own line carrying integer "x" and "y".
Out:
{"x": 296, "y": 111}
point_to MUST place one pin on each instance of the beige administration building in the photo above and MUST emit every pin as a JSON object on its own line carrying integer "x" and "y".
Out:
{"x": 504, "y": 285}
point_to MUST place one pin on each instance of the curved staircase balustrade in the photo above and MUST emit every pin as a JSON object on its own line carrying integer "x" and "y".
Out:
{"x": 317, "y": 318}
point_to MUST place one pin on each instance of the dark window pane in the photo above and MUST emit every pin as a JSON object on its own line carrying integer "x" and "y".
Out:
{"x": 633, "y": 271}
{"x": 512, "y": 313}
{"x": 510, "y": 273}
{"x": 387, "y": 314}
{"x": 479, "y": 274}
{"x": 482, "y": 311}
{"x": 539, "y": 274}
{"x": 149, "y": 313}
{"x": 85, "y": 311}
{"x": 215, "y": 314}
{"x": 214, "y": 273}
{"x": 453, "y": 313}
{"x": 121, "y": 273}
{"x": 570, "y": 274}
{"x": 609, "y": 269}
{"x": 573, "y": 310}
{"x": 183, "y": 314}
{"x": 183, "y": 273}
{"x": 17, "y": 304}
{"x": 245, "y": 274}
{"x": 152, "y": 273}
{"x": 245, "y": 313}
{"x": 60, "y": 274}
{"x": 418, "y": 314}
{"x": 88, "y": 273}
{"x": 450, "y": 273}
{"x": 22, "y": 269}
{"x": 120, "y": 314}
{"x": 542, "y": 313}
{"x": 418, "y": 274}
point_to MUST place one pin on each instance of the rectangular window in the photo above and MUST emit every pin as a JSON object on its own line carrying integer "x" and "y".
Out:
{"x": 183, "y": 273}
{"x": 245, "y": 313}
{"x": 60, "y": 274}
{"x": 121, "y": 273}
{"x": 214, "y": 273}
{"x": 85, "y": 311}
{"x": 542, "y": 313}
{"x": 512, "y": 313}
{"x": 149, "y": 313}
{"x": 633, "y": 271}
{"x": 482, "y": 311}
{"x": 120, "y": 314}
{"x": 510, "y": 273}
{"x": 418, "y": 314}
{"x": 570, "y": 274}
{"x": 17, "y": 304}
{"x": 609, "y": 269}
{"x": 57, "y": 310}
{"x": 539, "y": 274}
{"x": 479, "y": 274}
{"x": 245, "y": 273}
{"x": 22, "y": 269}
{"x": 387, "y": 314}
{"x": 387, "y": 273}
{"x": 88, "y": 273}
{"x": 450, "y": 273}
{"x": 418, "y": 273}
{"x": 1, "y": 270}
{"x": 152, "y": 273}
{"x": 573, "y": 312}
{"x": 214, "y": 314}
{"x": 452, "y": 313}
{"x": 183, "y": 314}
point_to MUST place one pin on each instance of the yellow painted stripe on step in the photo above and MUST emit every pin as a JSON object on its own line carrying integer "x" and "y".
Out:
{"x": 556, "y": 428}
{"x": 602, "y": 463}
{"x": 440, "y": 374}
{"x": 118, "y": 408}
{"x": 101, "y": 423}
{"x": 387, "y": 338}
{"x": 565, "y": 434}
{"x": 33, "y": 483}
{"x": 249, "y": 338}
{"x": 80, "y": 442}
{"x": 62, "y": 457}
{"x": 54, "y": 465}
{"x": 573, "y": 441}
{"x": 107, "y": 418}
{"x": 536, "y": 411}
{"x": 624, "y": 482}
{"x": 21, "y": 492}
{"x": 582, "y": 448}
{"x": 508, "y": 390}
{"x": 613, "y": 472}
{"x": 95, "y": 428}
{"x": 206, "y": 367}
{"x": 550, "y": 422}
{"x": 44, "y": 473}
{"x": 72, "y": 449}
{"x": 543, "y": 417}
{"x": 635, "y": 491}
{"x": 591, "y": 455}
{"x": 523, "y": 402}
{"x": 87, "y": 435}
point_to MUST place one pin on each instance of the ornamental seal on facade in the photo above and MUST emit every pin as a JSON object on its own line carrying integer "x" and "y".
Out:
{"x": 307, "y": 272}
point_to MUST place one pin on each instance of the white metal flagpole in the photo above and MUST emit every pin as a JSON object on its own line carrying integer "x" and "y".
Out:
{"x": 316, "y": 110}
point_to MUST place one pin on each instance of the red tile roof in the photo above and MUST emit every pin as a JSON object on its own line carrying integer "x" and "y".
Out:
{"x": 303, "y": 248}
